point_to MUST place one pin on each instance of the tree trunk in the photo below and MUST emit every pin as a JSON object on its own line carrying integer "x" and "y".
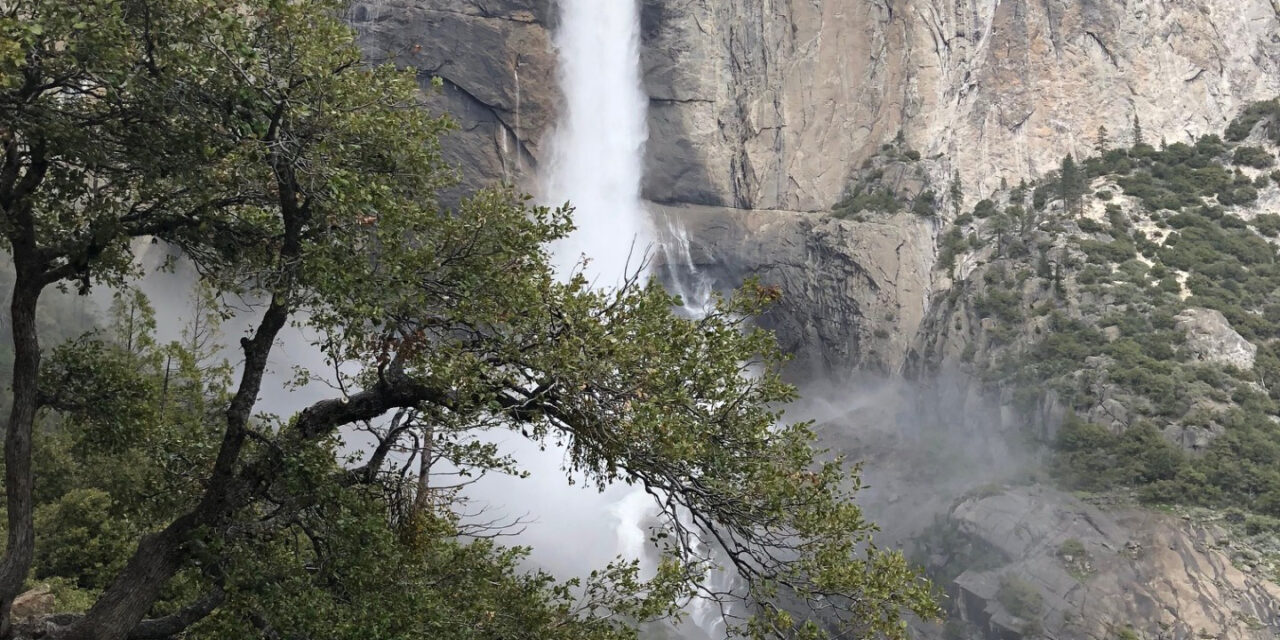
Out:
{"x": 136, "y": 587}
{"x": 17, "y": 445}
{"x": 173, "y": 624}
{"x": 422, "y": 500}
{"x": 161, "y": 555}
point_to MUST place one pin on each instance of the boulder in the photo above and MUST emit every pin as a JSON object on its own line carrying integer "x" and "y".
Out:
{"x": 1210, "y": 338}
{"x": 1089, "y": 572}
{"x": 34, "y": 603}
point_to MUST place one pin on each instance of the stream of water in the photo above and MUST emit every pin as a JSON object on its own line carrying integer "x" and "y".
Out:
{"x": 597, "y": 164}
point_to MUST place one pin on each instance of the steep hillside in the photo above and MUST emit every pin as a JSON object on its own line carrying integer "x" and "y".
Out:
{"x": 1120, "y": 320}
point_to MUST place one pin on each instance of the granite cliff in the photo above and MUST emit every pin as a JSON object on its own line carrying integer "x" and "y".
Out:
{"x": 776, "y": 106}
{"x": 862, "y": 155}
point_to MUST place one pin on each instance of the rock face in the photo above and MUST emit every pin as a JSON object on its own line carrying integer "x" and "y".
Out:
{"x": 496, "y": 66}
{"x": 1210, "y": 338}
{"x": 853, "y": 292}
{"x": 771, "y": 105}
{"x": 762, "y": 113}
{"x": 1033, "y": 559}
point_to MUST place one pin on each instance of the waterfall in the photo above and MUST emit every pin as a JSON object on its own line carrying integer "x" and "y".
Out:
{"x": 682, "y": 275}
{"x": 597, "y": 164}
{"x": 597, "y": 151}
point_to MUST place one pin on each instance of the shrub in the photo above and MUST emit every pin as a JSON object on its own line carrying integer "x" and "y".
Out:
{"x": 984, "y": 209}
{"x": 1108, "y": 252}
{"x": 925, "y": 204}
{"x": 88, "y": 538}
{"x": 1268, "y": 224}
{"x": 1243, "y": 125}
{"x": 1246, "y": 194}
{"x": 1093, "y": 274}
{"x": 1255, "y": 157}
{"x": 881, "y": 199}
{"x": 1089, "y": 225}
{"x": 1021, "y": 598}
{"x": 1001, "y": 303}
{"x": 1072, "y": 547}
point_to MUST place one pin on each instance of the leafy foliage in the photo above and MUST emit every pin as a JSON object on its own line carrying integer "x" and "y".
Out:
{"x": 248, "y": 138}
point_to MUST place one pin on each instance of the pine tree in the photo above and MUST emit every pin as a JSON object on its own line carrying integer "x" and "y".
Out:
{"x": 1043, "y": 268}
{"x": 1137, "y": 131}
{"x": 1019, "y": 194}
{"x": 1071, "y": 184}
{"x": 957, "y": 192}
{"x": 1100, "y": 145}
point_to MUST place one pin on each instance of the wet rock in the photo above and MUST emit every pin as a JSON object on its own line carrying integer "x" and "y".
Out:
{"x": 853, "y": 293}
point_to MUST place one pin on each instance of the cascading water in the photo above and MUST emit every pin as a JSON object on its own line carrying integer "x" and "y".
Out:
{"x": 682, "y": 276}
{"x": 597, "y": 163}
{"x": 598, "y": 147}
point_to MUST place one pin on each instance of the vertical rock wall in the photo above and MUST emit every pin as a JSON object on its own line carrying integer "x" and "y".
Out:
{"x": 771, "y": 104}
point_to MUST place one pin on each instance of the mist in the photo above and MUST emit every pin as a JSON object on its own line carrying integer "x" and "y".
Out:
{"x": 921, "y": 444}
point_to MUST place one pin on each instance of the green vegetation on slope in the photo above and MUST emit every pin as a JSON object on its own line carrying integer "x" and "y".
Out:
{"x": 1081, "y": 311}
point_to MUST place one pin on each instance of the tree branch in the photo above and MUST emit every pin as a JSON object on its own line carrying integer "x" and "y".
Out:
{"x": 174, "y": 623}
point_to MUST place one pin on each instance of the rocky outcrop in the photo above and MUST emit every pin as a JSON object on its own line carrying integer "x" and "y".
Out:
{"x": 33, "y": 603}
{"x": 495, "y": 65}
{"x": 854, "y": 293}
{"x": 1048, "y": 563}
{"x": 771, "y": 105}
{"x": 1210, "y": 338}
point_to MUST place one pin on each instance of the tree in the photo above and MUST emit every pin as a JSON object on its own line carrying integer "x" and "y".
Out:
{"x": 1001, "y": 224}
{"x": 1043, "y": 268}
{"x": 1100, "y": 144}
{"x": 924, "y": 204}
{"x": 1071, "y": 184}
{"x": 250, "y": 138}
{"x": 1137, "y": 131}
{"x": 957, "y": 192}
{"x": 1019, "y": 193}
